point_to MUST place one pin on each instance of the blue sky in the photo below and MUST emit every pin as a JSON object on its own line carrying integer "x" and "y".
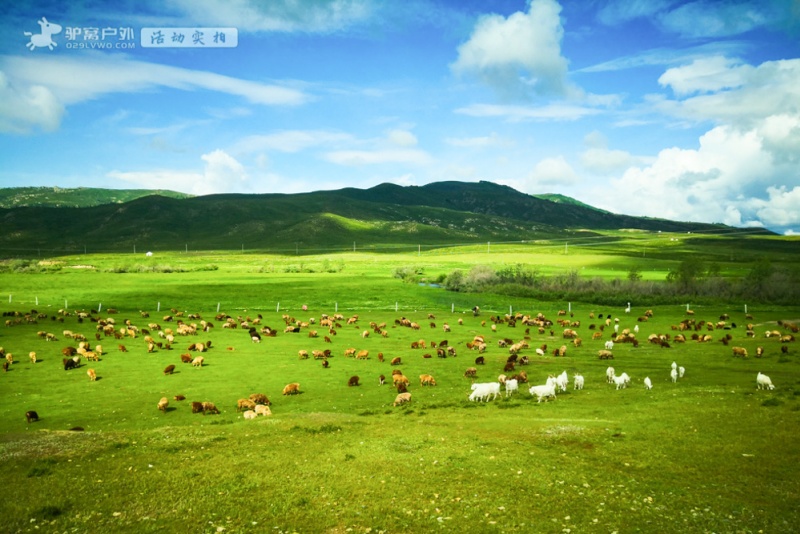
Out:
{"x": 683, "y": 110}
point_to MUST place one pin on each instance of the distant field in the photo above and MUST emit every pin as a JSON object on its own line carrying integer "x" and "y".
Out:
{"x": 710, "y": 453}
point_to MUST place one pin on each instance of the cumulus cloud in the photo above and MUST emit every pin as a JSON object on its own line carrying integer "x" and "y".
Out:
{"x": 401, "y": 138}
{"x": 739, "y": 94}
{"x": 520, "y": 55}
{"x": 731, "y": 178}
{"x": 221, "y": 174}
{"x": 43, "y": 86}
{"x": 551, "y": 172}
{"x": 704, "y": 75}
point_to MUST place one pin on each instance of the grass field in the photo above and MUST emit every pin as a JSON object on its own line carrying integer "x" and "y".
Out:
{"x": 710, "y": 453}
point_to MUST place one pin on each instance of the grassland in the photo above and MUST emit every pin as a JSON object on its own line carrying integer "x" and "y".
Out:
{"x": 710, "y": 453}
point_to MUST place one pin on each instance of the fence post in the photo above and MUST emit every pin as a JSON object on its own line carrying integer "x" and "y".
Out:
{"x": 278, "y": 308}
{"x": 158, "y": 308}
{"x": 217, "y": 307}
{"x": 453, "y": 307}
{"x": 99, "y": 307}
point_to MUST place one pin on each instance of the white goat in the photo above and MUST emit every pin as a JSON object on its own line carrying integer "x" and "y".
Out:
{"x": 681, "y": 371}
{"x": 609, "y": 345}
{"x": 511, "y": 386}
{"x": 484, "y": 390}
{"x": 578, "y": 382}
{"x": 562, "y": 381}
{"x": 622, "y": 380}
{"x": 610, "y": 375}
{"x": 543, "y": 392}
{"x": 674, "y": 375}
{"x": 674, "y": 365}
{"x": 763, "y": 381}
{"x": 647, "y": 383}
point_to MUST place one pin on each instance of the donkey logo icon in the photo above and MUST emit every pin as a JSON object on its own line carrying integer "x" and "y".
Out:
{"x": 40, "y": 40}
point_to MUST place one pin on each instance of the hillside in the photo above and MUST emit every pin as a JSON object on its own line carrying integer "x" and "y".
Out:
{"x": 435, "y": 214}
{"x": 81, "y": 197}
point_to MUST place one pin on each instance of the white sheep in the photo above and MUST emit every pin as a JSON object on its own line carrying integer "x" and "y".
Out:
{"x": 609, "y": 345}
{"x": 674, "y": 365}
{"x": 511, "y": 386}
{"x": 647, "y": 383}
{"x": 539, "y": 352}
{"x": 681, "y": 371}
{"x": 578, "y": 381}
{"x": 262, "y": 409}
{"x": 610, "y": 375}
{"x": 543, "y": 392}
{"x": 249, "y": 414}
{"x": 763, "y": 381}
{"x": 674, "y": 375}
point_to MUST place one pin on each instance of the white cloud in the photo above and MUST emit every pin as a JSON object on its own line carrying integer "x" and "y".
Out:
{"x": 319, "y": 16}
{"x": 45, "y": 85}
{"x": 519, "y": 55}
{"x": 551, "y": 172}
{"x": 290, "y": 141}
{"x": 621, "y": 11}
{"x": 709, "y": 74}
{"x": 378, "y": 156}
{"x": 731, "y": 178}
{"x": 771, "y": 88}
{"x": 25, "y": 109}
{"x": 479, "y": 142}
{"x": 551, "y": 112}
{"x": 705, "y": 18}
{"x": 221, "y": 174}
{"x": 401, "y": 138}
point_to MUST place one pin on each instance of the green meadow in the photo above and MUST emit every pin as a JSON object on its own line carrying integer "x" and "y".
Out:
{"x": 709, "y": 453}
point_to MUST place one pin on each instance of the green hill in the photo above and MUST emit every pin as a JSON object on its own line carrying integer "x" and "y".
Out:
{"x": 81, "y": 197}
{"x": 387, "y": 215}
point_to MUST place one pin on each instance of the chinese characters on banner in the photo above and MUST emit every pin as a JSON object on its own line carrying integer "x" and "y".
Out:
{"x": 189, "y": 37}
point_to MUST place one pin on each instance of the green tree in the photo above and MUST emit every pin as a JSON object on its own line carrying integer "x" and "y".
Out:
{"x": 687, "y": 274}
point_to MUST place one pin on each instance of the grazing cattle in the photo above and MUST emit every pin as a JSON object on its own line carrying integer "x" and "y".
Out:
{"x": 249, "y": 414}
{"x": 740, "y": 351}
{"x": 122, "y": 348}
{"x": 353, "y": 381}
{"x": 197, "y": 407}
{"x": 427, "y": 380}
{"x": 32, "y": 356}
{"x": 31, "y": 416}
{"x": 292, "y": 389}
{"x": 263, "y": 410}
{"x": 471, "y": 372}
{"x": 605, "y": 355}
{"x": 245, "y": 404}
{"x": 163, "y": 404}
{"x": 260, "y": 398}
{"x": 362, "y": 355}
{"x": 179, "y": 397}
{"x": 92, "y": 374}
{"x": 325, "y": 364}
{"x": 69, "y": 363}
{"x": 302, "y": 354}
{"x": 186, "y": 358}
{"x": 5, "y": 367}
{"x": 381, "y": 380}
{"x": 210, "y": 408}
{"x": 396, "y": 361}
{"x": 349, "y": 352}
{"x": 402, "y": 398}
{"x": 480, "y": 360}
{"x": 168, "y": 370}
{"x": 198, "y": 362}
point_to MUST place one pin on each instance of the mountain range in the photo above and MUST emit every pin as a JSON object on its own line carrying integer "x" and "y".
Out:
{"x": 436, "y": 214}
